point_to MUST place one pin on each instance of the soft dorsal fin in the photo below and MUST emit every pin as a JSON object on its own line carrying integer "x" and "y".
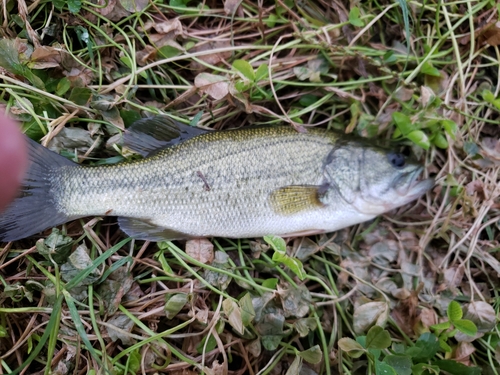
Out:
{"x": 149, "y": 135}
{"x": 293, "y": 199}
{"x": 145, "y": 230}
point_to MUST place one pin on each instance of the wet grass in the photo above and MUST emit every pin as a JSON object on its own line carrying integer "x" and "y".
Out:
{"x": 423, "y": 73}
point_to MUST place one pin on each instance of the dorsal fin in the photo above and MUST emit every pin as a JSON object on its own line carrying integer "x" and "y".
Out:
{"x": 149, "y": 135}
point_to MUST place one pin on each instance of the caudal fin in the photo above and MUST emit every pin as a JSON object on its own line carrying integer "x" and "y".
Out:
{"x": 34, "y": 210}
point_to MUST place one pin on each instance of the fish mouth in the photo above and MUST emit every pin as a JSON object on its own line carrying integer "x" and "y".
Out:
{"x": 411, "y": 186}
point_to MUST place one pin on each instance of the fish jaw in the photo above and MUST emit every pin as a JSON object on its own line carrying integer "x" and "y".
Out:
{"x": 417, "y": 189}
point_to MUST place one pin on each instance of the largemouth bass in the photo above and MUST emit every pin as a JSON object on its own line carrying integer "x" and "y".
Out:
{"x": 240, "y": 183}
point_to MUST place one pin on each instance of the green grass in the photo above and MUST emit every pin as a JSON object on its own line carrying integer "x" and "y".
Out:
{"x": 419, "y": 72}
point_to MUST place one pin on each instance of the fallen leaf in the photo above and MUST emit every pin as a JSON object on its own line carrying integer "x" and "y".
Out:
{"x": 233, "y": 314}
{"x": 489, "y": 34}
{"x": 79, "y": 77}
{"x": 134, "y": 6}
{"x": 144, "y": 56}
{"x": 405, "y": 313}
{"x": 482, "y": 314}
{"x": 306, "y": 248}
{"x": 463, "y": 352}
{"x": 171, "y": 26}
{"x": 56, "y": 247}
{"x": 175, "y": 303}
{"x": 114, "y": 288}
{"x": 45, "y": 57}
{"x": 202, "y": 316}
{"x": 200, "y": 249}
{"x": 360, "y": 268}
{"x": 112, "y": 9}
{"x": 218, "y": 279}
{"x": 369, "y": 314}
{"x": 231, "y": 7}
{"x": 312, "y": 71}
{"x": 384, "y": 252}
{"x": 453, "y": 276}
{"x": 491, "y": 149}
{"x": 77, "y": 262}
{"x": 428, "y": 317}
{"x": 295, "y": 301}
{"x": 254, "y": 348}
{"x": 216, "y": 369}
{"x": 124, "y": 325}
{"x": 215, "y": 86}
{"x": 241, "y": 101}
{"x": 426, "y": 95}
{"x": 72, "y": 139}
{"x": 475, "y": 186}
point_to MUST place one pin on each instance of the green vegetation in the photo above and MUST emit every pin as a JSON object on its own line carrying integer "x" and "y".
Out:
{"x": 415, "y": 291}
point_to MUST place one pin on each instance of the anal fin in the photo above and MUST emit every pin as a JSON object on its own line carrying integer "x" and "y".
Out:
{"x": 145, "y": 230}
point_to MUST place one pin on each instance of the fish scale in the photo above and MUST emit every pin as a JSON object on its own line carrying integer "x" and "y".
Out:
{"x": 239, "y": 180}
{"x": 240, "y": 183}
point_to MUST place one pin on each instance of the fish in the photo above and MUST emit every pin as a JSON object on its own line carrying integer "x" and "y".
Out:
{"x": 241, "y": 183}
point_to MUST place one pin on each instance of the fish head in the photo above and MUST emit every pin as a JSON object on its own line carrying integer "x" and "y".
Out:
{"x": 373, "y": 179}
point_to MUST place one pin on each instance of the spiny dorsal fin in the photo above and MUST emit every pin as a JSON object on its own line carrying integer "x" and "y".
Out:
{"x": 293, "y": 199}
{"x": 145, "y": 230}
{"x": 149, "y": 135}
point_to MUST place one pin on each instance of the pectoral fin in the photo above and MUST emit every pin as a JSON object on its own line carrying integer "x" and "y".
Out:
{"x": 293, "y": 199}
{"x": 144, "y": 230}
{"x": 149, "y": 135}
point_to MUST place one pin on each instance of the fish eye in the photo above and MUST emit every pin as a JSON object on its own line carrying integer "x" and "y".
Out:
{"x": 397, "y": 160}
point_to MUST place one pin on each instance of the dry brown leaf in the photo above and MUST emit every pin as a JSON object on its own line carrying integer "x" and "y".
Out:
{"x": 119, "y": 327}
{"x": 80, "y": 77}
{"x": 453, "y": 277}
{"x": 438, "y": 84}
{"x": 233, "y": 6}
{"x": 369, "y": 314}
{"x": 491, "y": 149}
{"x": 401, "y": 293}
{"x": 482, "y": 314}
{"x": 463, "y": 352}
{"x": 215, "y": 86}
{"x": 145, "y": 55}
{"x": 404, "y": 94}
{"x": 475, "y": 186}
{"x": 241, "y": 99}
{"x": 200, "y": 249}
{"x": 217, "y": 369}
{"x": 112, "y": 9}
{"x": 134, "y": 6}
{"x": 426, "y": 95}
{"x": 46, "y": 57}
{"x": 427, "y": 317}
{"x": 202, "y": 316}
{"x": 405, "y": 313}
{"x": 161, "y": 40}
{"x": 173, "y": 26}
{"x": 490, "y": 34}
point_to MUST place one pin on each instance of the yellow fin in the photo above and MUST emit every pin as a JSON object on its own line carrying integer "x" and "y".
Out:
{"x": 293, "y": 199}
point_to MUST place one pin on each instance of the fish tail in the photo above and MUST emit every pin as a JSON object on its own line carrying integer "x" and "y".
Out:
{"x": 35, "y": 209}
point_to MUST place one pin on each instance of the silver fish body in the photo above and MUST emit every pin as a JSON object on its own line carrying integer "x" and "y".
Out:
{"x": 239, "y": 183}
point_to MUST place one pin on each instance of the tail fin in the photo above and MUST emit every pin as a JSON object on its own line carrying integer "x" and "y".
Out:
{"x": 34, "y": 209}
